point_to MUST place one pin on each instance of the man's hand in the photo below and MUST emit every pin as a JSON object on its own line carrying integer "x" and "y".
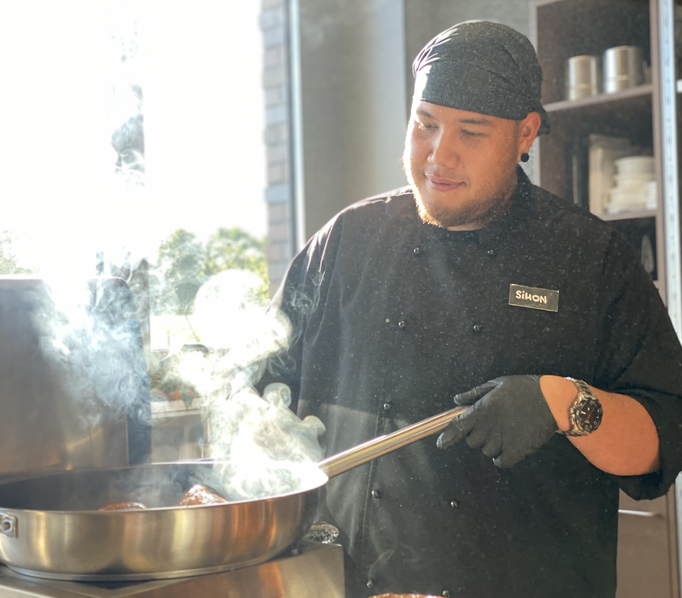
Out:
{"x": 509, "y": 419}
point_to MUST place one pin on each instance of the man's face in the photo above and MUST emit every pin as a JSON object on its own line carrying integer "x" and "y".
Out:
{"x": 462, "y": 165}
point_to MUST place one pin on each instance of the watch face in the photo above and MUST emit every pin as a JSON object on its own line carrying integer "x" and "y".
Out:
{"x": 589, "y": 414}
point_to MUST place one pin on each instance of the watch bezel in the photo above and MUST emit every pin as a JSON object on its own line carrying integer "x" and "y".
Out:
{"x": 580, "y": 426}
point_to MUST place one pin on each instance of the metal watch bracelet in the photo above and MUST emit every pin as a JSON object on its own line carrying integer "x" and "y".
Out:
{"x": 585, "y": 413}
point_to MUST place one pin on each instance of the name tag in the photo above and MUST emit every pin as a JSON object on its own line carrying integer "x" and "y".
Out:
{"x": 533, "y": 297}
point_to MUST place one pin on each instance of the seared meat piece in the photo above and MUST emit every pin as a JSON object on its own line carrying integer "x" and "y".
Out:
{"x": 200, "y": 495}
{"x": 122, "y": 506}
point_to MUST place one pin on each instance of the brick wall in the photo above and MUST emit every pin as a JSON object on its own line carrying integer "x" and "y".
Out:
{"x": 278, "y": 194}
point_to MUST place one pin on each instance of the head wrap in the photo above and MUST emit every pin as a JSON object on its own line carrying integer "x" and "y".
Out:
{"x": 483, "y": 67}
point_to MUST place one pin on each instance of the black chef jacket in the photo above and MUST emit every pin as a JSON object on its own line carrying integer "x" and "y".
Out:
{"x": 392, "y": 317}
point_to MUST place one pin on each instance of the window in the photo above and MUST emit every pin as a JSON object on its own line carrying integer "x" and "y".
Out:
{"x": 132, "y": 140}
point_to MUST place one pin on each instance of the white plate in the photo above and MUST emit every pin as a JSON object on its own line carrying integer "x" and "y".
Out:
{"x": 632, "y": 164}
{"x": 633, "y": 179}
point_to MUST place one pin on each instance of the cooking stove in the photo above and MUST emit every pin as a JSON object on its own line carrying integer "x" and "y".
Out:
{"x": 309, "y": 570}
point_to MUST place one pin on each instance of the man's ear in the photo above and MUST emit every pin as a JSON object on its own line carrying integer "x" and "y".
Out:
{"x": 528, "y": 131}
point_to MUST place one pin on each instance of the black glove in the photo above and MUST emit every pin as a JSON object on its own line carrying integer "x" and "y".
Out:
{"x": 509, "y": 419}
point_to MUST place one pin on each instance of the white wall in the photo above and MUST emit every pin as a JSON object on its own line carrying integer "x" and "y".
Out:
{"x": 352, "y": 102}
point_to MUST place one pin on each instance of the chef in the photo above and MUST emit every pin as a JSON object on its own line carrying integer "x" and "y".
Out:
{"x": 475, "y": 284}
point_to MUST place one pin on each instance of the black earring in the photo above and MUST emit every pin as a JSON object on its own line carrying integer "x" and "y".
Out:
{"x": 525, "y": 157}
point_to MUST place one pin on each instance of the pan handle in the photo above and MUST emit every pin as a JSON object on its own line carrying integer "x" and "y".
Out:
{"x": 367, "y": 451}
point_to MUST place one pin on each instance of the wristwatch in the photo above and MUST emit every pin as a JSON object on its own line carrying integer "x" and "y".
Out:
{"x": 585, "y": 413}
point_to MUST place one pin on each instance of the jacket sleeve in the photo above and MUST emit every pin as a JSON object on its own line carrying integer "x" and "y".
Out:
{"x": 641, "y": 357}
{"x": 300, "y": 295}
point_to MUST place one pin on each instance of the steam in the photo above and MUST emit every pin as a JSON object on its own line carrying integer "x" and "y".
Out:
{"x": 92, "y": 340}
{"x": 90, "y": 335}
{"x": 261, "y": 447}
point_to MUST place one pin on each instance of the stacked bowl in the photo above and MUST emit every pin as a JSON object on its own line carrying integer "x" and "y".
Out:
{"x": 635, "y": 185}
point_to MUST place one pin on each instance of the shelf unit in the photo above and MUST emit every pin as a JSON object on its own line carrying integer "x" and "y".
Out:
{"x": 566, "y": 28}
{"x": 560, "y": 29}
{"x": 634, "y": 215}
{"x": 604, "y": 100}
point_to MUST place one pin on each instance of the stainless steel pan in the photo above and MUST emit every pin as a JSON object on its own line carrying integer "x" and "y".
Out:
{"x": 50, "y": 526}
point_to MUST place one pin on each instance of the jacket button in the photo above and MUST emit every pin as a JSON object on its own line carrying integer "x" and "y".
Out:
{"x": 370, "y": 584}
{"x": 445, "y": 593}
{"x": 416, "y": 250}
{"x": 388, "y": 406}
{"x": 491, "y": 252}
{"x": 401, "y": 324}
{"x": 478, "y": 328}
{"x": 376, "y": 493}
{"x": 454, "y": 504}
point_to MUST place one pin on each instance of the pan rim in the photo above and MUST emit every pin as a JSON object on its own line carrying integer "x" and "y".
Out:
{"x": 321, "y": 480}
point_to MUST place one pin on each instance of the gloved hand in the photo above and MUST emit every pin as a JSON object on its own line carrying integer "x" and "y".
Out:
{"x": 509, "y": 419}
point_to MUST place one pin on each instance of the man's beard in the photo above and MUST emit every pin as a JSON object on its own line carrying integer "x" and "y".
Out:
{"x": 438, "y": 215}
{"x": 476, "y": 216}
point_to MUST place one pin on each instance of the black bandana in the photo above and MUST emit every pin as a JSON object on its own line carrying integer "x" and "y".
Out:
{"x": 482, "y": 67}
